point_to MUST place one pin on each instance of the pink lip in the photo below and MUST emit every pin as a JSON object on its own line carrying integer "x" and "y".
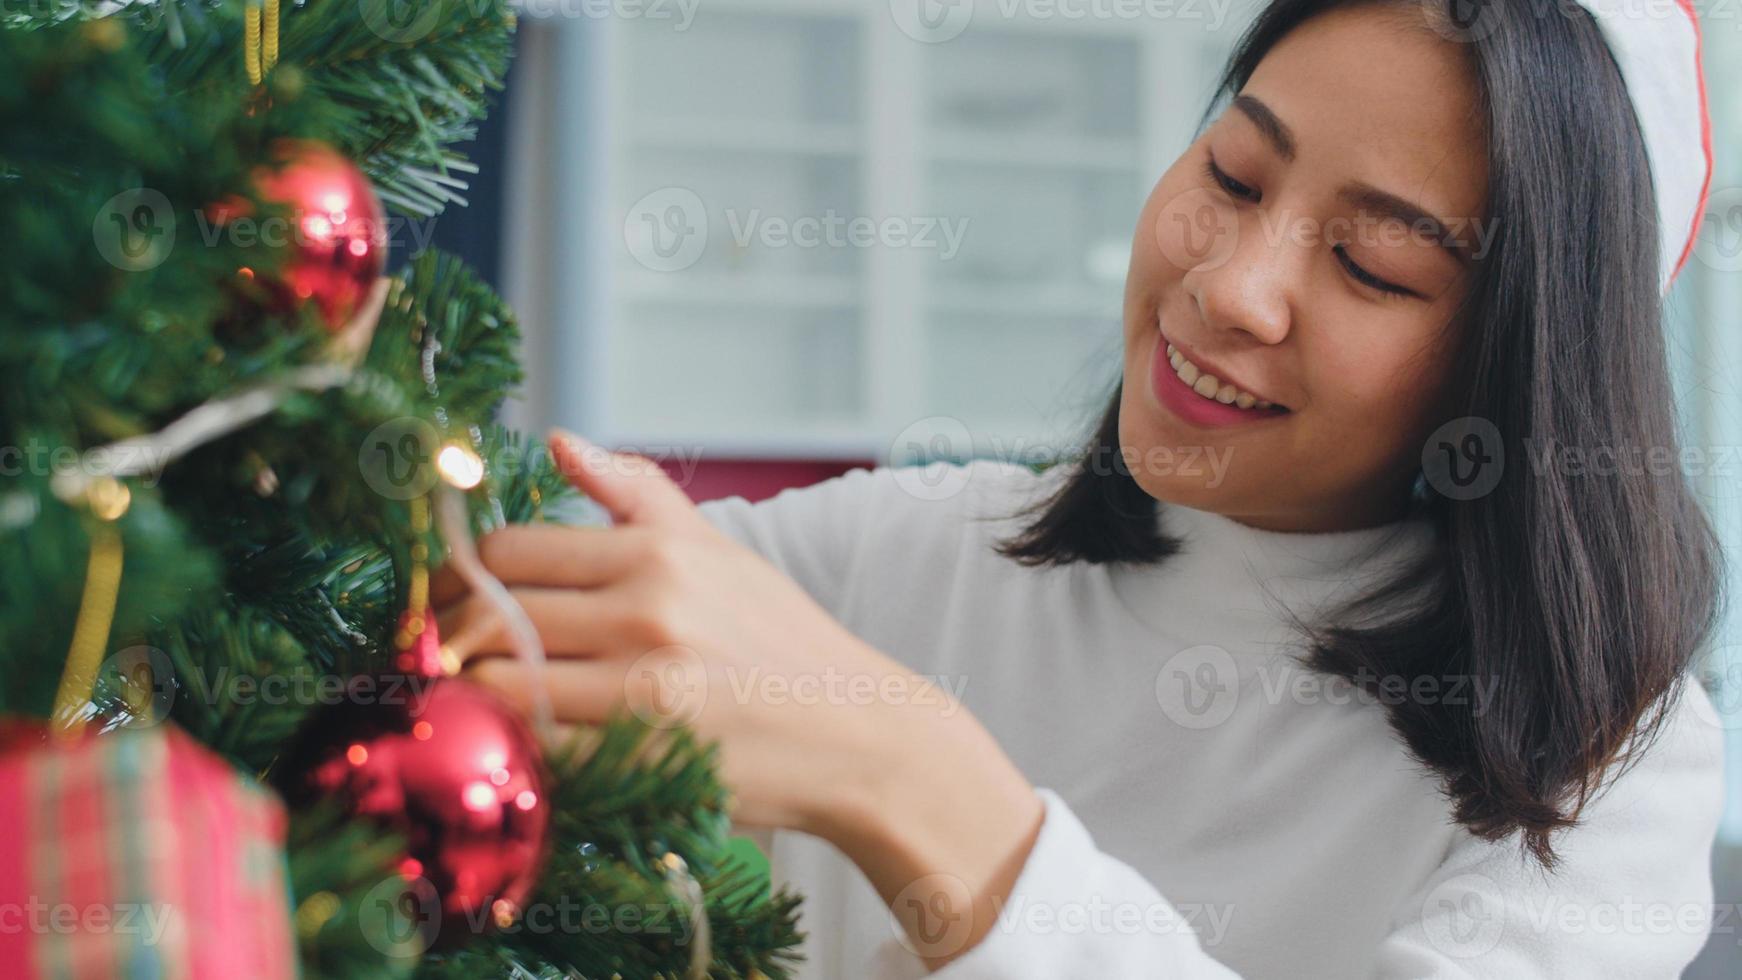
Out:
{"x": 1194, "y": 408}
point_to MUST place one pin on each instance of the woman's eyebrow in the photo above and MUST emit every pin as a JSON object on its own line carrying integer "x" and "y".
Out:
{"x": 1273, "y": 128}
{"x": 1365, "y": 197}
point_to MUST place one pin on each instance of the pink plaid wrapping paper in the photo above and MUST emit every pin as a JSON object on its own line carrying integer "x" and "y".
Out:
{"x": 138, "y": 855}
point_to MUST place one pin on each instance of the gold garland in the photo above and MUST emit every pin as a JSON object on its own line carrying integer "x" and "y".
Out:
{"x": 260, "y": 39}
{"x": 417, "y": 597}
{"x": 108, "y": 500}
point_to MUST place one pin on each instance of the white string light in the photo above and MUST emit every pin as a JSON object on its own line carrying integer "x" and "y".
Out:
{"x": 456, "y": 529}
{"x": 215, "y": 419}
{"x": 460, "y": 468}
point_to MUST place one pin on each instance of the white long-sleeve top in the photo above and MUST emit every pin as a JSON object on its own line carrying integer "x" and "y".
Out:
{"x": 1212, "y": 809}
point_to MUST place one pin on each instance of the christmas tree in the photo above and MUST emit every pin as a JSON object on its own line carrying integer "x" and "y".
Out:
{"x": 234, "y": 450}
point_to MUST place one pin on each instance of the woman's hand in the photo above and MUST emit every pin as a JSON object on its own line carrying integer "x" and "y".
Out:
{"x": 818, "y": 731}
{"x": 664, "y": 612}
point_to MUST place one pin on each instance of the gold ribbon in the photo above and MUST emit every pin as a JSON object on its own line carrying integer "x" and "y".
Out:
{"x": 108, "y": 500}
{"x": 260, "y": 38}
{"x": 417, "y": 591}
{"x": 677, "y": 875}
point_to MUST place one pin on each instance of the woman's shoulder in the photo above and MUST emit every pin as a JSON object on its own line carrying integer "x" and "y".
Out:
{"x": 1656, "y": 809}
{"x": 915, "y": 494}
{"x": 1631, "y": 888}
{"x": 1674, "y": 778}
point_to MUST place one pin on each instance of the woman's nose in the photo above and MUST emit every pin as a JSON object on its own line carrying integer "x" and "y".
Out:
{"x": 1254, "y": 290}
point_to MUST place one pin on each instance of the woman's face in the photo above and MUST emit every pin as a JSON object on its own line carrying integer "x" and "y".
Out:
{"x": 1310, "y": 250}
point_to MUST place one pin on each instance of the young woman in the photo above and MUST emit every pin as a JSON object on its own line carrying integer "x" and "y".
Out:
{"x": 1314, "y": 712}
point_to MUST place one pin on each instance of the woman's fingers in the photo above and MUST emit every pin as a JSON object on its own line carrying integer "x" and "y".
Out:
{"x": 571, "y": 623}
{"x": 633, "y": 489}
{"x": 548, "y": 556}
{"x": 582, "y": 692}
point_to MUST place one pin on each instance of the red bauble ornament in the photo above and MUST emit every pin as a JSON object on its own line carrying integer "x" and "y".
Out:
{"x": 337, "y": 234}
{"x": 450, "y": 767}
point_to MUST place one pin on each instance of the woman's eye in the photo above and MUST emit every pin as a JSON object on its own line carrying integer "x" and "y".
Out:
{"x": 1366, "y": 278}
{"x": 1229, "y": 184}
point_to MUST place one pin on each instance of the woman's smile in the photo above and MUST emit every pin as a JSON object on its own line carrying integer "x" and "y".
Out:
{"x": 1188, "y": 388}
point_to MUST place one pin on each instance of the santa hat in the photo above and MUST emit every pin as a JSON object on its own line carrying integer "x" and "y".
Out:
{"x": 1657, "y": 45}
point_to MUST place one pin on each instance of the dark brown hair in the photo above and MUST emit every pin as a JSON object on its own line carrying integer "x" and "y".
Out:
{"x": 1580, "y": 597}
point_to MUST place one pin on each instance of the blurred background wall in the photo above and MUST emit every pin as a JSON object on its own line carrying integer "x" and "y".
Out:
{"x": 764, "y": 241}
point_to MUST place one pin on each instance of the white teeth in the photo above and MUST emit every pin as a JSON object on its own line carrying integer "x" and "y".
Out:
{"x": 1210, "y": 386}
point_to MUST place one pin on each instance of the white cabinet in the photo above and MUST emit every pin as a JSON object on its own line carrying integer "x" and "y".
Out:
{"x": 807, "y": 229}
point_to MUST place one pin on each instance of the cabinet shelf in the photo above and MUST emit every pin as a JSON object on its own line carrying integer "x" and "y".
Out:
{"x": 1024, "y": 148}
{"x": 1027, "y": 301}
{"x": 748, "y": 136}
{"x": 1038, "y": 152}
{"x": 765, "y": 291}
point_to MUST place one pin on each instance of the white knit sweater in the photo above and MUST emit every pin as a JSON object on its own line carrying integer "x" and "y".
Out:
{"x": 1212, "y": 808}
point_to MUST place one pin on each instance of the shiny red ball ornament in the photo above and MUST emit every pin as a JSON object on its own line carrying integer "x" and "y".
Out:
{"x": 451, "y": 768}
{"x": 337, "y": 231}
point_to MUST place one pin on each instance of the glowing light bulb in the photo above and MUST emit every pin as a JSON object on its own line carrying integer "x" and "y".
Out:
{"x": 460, "y": 466}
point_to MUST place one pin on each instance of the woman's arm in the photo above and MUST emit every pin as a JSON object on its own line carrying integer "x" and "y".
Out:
{"x": 941, "y": 828}
{"x": 1632, "y": 896}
